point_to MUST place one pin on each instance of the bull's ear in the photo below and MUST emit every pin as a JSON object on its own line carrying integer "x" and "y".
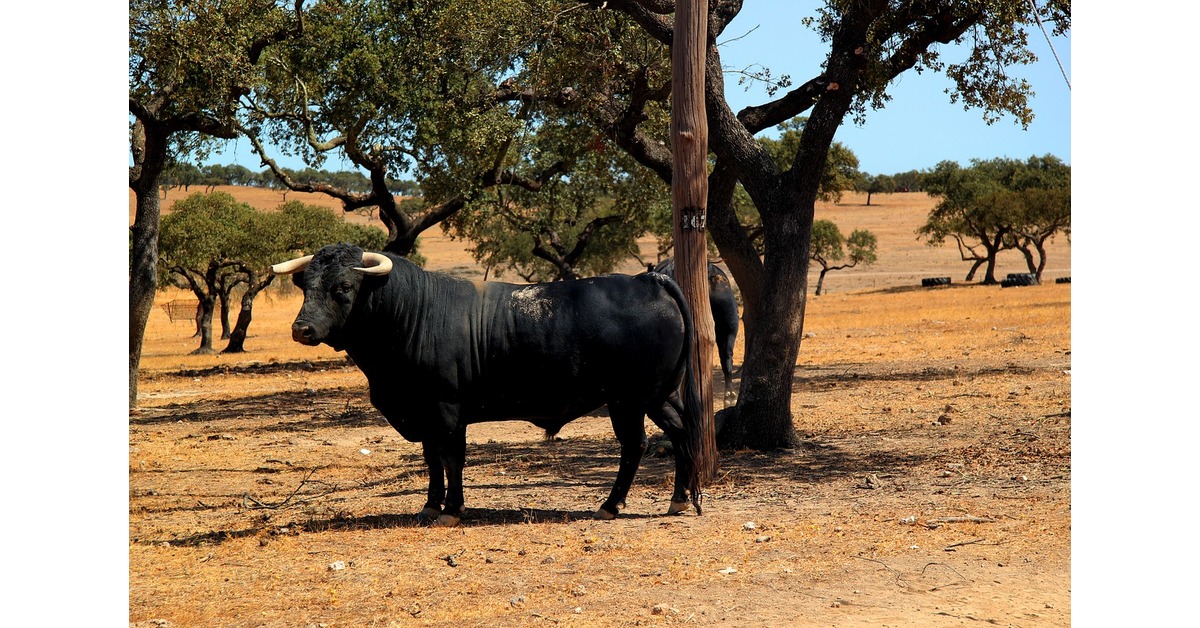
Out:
{"x": 375, "y": 264}
{"x": 298, "y": 279}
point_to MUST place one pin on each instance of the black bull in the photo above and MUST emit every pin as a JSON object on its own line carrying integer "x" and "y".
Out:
{"x": 441, "y": 353}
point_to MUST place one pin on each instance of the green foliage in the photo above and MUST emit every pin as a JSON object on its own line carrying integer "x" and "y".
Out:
{"x": 841, "y": 165}
{"x": 302, "y": 229}
{"x": 998, "y": 204}
{"x": 879, "y": 184}
{"x": 205, "y": 230}
{"x": 862, "y": 245}
{"x": 189, "y": 61}
{"x": 829, "y": 246}
{"x": 578, "y": 225}
{"x": 407, "y": 84}
{"x": 910, "y": 180}
{"x": 997, "y": 41}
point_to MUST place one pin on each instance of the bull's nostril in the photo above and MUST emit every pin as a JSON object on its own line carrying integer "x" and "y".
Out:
{"x": 302, "y": 331}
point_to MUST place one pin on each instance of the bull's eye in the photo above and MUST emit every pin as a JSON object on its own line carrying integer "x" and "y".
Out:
{"x": 343, "y": 292}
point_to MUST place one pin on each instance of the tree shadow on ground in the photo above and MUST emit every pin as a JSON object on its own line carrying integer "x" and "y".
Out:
{"x": 282, "y": 411}
{"x": 813, "y": 379}
{"x": 575, "y": 470}
{"x": 267, "y": 368}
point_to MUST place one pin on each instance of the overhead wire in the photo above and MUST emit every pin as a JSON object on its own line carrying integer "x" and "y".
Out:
{"x": 1054, "y": 52}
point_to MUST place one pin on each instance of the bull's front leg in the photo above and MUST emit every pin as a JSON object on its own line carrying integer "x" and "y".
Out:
{"x": 632, "y": 435}
{"x": 436, "y": 496}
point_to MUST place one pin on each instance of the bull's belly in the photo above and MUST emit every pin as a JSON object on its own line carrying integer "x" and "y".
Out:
{"x": 541, "y": 412}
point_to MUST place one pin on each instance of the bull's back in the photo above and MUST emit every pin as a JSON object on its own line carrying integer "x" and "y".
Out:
{"x": 556, "y": 351}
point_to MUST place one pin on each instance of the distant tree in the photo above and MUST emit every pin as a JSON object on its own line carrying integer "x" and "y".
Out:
{"x": 212, "y": 244}
{"x": 201, "y": 243}
{"x": 909, "y": 181}
{"x": 302, "y": 229}
{"x": 975, "y": 211}
{"x": 1045, "y": 214}
{"x": 878, "y": 184}
{"x": 841, "y": 172}
{"x": 180, "y": 175}
{"x": 830, "y": 246}
{"x": 998, "y": 204}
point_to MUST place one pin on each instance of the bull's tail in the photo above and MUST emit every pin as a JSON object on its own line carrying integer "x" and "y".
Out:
{"x": 698, "y": 448}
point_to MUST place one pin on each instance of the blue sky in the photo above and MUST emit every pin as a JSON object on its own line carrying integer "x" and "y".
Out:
{"x": 919, "y": 128}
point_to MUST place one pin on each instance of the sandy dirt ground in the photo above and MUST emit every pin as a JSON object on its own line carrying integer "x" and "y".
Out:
{"x": 933, "y": 487}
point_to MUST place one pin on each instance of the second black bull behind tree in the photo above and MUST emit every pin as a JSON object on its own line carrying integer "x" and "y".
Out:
{"x": 440, "y": 353}
{"x": 723, "y": 304}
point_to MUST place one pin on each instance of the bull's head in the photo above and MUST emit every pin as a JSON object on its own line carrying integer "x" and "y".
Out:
{"x": 331, "y": 279}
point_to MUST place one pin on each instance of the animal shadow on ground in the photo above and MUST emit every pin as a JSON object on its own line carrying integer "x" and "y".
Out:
{"x": 548, "y": 471}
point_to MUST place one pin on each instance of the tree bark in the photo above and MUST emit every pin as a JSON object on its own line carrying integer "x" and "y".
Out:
{"x": 208, "y": 304}
{"x": 223, "y": 303}
{"x": 150, "y": 155}
{"x": 237, "y": 338}
{"x": 974, "y": 267}
{"x": 762, "y": 418}
{"x": 689, "y": 192}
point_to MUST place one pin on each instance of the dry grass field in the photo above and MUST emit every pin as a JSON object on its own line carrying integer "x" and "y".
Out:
{"x": 933, "y": 487}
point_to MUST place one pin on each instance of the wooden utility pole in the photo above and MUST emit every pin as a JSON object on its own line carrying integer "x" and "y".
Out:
{"x": 689, "y": 190}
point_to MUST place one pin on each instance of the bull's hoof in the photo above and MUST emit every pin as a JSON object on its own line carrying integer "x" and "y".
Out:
{"x": 446, "y": 521}
{"x": 428, "y": 515}
{"x": 604, "y": 515}
{"x": 678, "y": 507}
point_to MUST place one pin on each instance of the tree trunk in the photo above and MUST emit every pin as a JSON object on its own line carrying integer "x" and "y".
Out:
{"x": 989, "y": 273}
{"x": 1028, "y": 255}
{"x": 993, "y": 247}
{"x": 223, "y": 301}
{"x": 237, "y": 338}
{"x": 786, "y": 202}
{"x": 820, "y": 281}
{"x": 143, "y": 262}
{"x": 974, "y": 268}
{"x": 1041, "y": 265}
{"x": 762, "y": 419}
{"x": 208, "y": 305}
{"x": 689, "y": 189}
{"x": 736, "y": 248}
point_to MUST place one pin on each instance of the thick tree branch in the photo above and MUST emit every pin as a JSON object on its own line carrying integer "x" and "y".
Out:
{"x": 260, "y": 44}
{"x": 581, "y": 241}
{"x": 797, "y": 101}
{"x": 720, "y": 13}
{"x": 649, "y": 14}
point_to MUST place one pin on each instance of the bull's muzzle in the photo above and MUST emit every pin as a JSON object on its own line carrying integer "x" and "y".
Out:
{"x": 304, "y": 333}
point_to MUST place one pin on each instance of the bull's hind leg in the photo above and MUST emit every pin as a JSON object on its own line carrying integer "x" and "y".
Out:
{"x": 632, "y": 435}
{"x": 454, "y": 458}
{"x": 669, "y": 418}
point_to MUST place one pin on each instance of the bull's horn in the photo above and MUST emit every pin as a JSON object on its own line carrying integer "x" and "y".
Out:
{"x": 291, "y": 266}
{"x": 375, "y": 264}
